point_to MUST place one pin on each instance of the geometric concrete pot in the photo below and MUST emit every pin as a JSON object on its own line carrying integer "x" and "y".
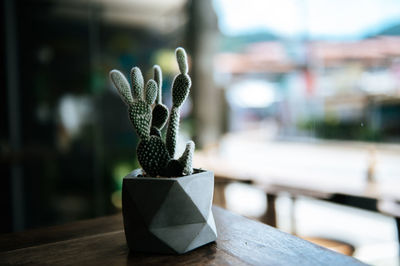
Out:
{"x": 168, "y": 215}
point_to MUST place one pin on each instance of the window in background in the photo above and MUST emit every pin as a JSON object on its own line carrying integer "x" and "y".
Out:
{"x": 313, "y": 90}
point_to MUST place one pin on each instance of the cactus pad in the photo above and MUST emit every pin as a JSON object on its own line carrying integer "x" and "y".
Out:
{"x": 181, "y": 58}
{"x": 151, "y": 92}
{"x": 180, "y": 89}
{"x": 160, "y": 116}
{"x": 122, "y": 85}
{"x": 158, "y": 79}
{"x": 172, "y": 131}
{"x": 152, "y": 155}
{"x": 187, "y": 157}
{"x": 137, "y": 83}
{"x": 140, "y": 115}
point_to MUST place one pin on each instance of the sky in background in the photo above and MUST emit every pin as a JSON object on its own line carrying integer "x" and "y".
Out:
{"x": 333, "y": 19}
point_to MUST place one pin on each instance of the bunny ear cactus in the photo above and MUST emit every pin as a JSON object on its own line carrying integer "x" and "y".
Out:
{"x": 156, "y": 156}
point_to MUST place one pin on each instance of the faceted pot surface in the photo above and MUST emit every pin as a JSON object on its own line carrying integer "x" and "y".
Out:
{"x": 168, "y": 215}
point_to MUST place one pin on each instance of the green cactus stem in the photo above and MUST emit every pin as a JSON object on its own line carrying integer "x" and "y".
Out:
{"x": 158, "y": 79}
{"x": 137, "y": 83}
{"x": 122, "y": 85}
{"x": 160, "y": 116}
{"x": 151, "y": 92}
{"x": 172, "y": 131}
{"x": 181, "y": 58}
{"x": 140, "y": 111}
{"x": 180, "y": 89}
{"x": 140, "y": 116}
{"x": 187, "y": 158}
{"x": 152, "y": 155}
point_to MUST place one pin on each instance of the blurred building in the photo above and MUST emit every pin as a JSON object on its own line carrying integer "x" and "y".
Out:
{"x": 340, "y": 85}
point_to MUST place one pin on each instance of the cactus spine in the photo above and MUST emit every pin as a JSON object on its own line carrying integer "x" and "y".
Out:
{"x": 156, "y": 156}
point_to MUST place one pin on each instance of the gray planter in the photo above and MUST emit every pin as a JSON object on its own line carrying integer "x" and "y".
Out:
{"x": 168, "y": 215}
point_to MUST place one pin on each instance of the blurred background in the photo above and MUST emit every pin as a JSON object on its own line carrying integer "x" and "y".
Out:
{"x": 295, "y": 99}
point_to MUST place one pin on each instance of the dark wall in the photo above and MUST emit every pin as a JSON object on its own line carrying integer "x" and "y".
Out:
{"x": 62, "y": 64}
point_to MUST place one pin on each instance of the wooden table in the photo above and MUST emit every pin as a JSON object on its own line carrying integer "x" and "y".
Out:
{"x": 101, "y": 241}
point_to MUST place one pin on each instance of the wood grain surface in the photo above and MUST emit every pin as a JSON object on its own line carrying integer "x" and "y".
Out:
{"x": 102, "y": 242}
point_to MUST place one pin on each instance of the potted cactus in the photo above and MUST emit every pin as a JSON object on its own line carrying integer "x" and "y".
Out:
{"x": 166, "y": 204}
